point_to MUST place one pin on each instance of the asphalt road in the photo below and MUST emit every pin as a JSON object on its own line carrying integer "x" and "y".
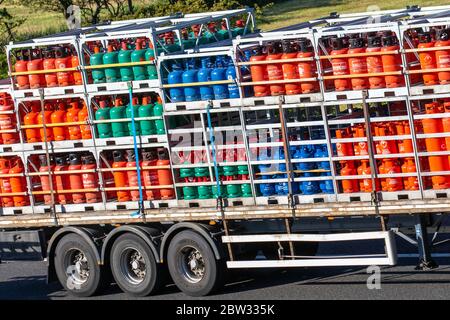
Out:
{"x": 25, "y": 279}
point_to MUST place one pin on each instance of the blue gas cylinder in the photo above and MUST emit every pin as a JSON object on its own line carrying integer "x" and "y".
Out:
{"x": 176, "y": 77}
{"x": 219, "y": 74}
{"x": 246, "y": 74}
{"x": 190, "y": 76}
{"x": 204, "y": 75}
{"x": 266, "y": 189}
{"x": 309, "y": 187}
{"x": 306, "y": 152}
{"x": 326, "y": 186}
{"x": 233, "y": 89}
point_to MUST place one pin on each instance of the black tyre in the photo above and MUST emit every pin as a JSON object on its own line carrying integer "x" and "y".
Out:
{"x": 134, "y": 266}
{"x": 76, "y": 266}
{"x": 193, "y": 266}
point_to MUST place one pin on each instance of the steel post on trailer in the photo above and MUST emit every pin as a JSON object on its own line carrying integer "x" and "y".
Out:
{"x": 423, "y": 244}
{"x": 47, "y": 156}
{"x": 220, "y": 205}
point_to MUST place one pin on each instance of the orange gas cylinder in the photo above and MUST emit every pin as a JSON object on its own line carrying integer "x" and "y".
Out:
{"x": 62, "y": 61}
{"x": 21, "y": 65}
{"x": 382, "y": 180}
{"x": 436, "y": 163}
{"x": 340, "y": 65}
{"x": 427, "y": 59}
{"x": 75, "y": 62}
{"x": 8, "y": 121}
{"x": 132, "y": 175}
{"x": 150, "y": 176}
{"x": 375, "y": 63}
{"x": 5, "y": 185}
{"x": 290, "y": 70}
{"x": 274, "y": 70}
{"x": 411, "y": 58}
{"x": 49, "y": 64}
{"x": 344, "y": 149}
{"x": 60, "y": 116}
{"x": 360, "y": 148}
{"x": 72, "y": 116}
{"x": 348, "y": 169}
{"x": 31, "y": 118}
{"x": 259, "y": 72}
{"x": 327, "y": 68}
{"x": 357, "y": 65}
{"x": 307, "y": 69}
{"x": 120, "y": 177}
{"x": 75, "y": 179}
{"x": 45, "y": 118}
{"x": 83, "y": 115}
{"x": 62, "y": 180}
{"x": 90, "y": 179}
{"x": 392, "y": 62}
{"x": 443, "y": 56}
{"x": 164, "y": 175}
{"x": 409, "y": 166}
{"x": 391, "y": 167}
{"x": 385, "y": 146}
{"x": 446, "y": 126}
{"x": 18, "y": 184}
{"x": 365, "y": 185}
{"x": 45, "y": 178}
{"x": 35, "y": 64}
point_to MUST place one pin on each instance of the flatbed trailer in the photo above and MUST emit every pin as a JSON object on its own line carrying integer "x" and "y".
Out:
{"x": 196, "y": 240}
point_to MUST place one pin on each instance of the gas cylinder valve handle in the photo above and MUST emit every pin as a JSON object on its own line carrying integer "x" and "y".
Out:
{"x": 136, "y": 153}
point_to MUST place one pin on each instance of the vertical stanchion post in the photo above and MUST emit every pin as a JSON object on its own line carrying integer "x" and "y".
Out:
{"x": 423, "y": 244}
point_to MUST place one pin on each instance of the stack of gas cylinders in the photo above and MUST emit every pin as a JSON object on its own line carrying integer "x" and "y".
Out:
{"x": 277, "y": 70}
{"x": 49, "y": 58}
{"x": 203, "y": 70}
{"x": 13, "y": 185}
{"x": 301, "y": 169}
{"x": 8, "y": 129}
{"x": 122, "y": 52}
{"x": 438, "y": 59}
{"x": 109, "y": 111}
{"x": 62, "y": 119}
{"x": 155, "y": 171}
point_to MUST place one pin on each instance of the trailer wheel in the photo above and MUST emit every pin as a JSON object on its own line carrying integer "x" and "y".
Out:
{"x": 134, "y": 266}
{"x": 193, "y": 266}
{"x": 76, "y": 266}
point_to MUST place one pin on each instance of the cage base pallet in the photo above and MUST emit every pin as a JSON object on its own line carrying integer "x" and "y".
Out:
{"x": 57, "y": 145}
{"x": 425, "y": 90}
{"x": 69, "y": 208}
{"x": 436, "y": 194}
{"x": 354, "y": 197}
{"x": 201, "y": 105}
{"x": 10, "y": 211}
{"x": 401, "y": 195}
{"x": 122, "y": 86}
{"x": 49, "y": 92}
{"x": 275, "y": 100}
{"x": 210, "y": 203}
{"x": 16, "y": 147}
{"x": 151, "y": 139}
{"x": 372, "y": 94}
{"x": 134, "y": 205}
{"x": 298, "y": 199}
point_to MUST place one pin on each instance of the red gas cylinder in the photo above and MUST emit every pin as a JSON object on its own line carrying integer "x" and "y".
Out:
{"x": 62, "y": 180}
{"x": 290, "y": 70}
{"x": 348, "y": 169}
{"x": 5, "y": 185}
{"x": 35, "y": 63}
{"x": 307, "y": 69}
{"x": 375, "y": 63}
{"x": 164, "y": 175}
{"x": 18, "y": 184}
{"x": 327, "y": 68}
{"x": 392, "y": 62}
{"x": 446, "y": 125}
{"x": 8, "y": 121}
{"x": 21, "y": 65}
{"x": 72, "y": 116}
{"x": 427, "y": 59}
{"x": 340, "y": 65}
{"x": 259, "y": 72}
{"x": 75, "y": 179}
{"x": 49, "y": 64}
{"x": 436, "y": 163}
{"x": 75, "y": 62}
{"x": 357, "y": 65}
{"x": 274, "y": 70}
{"x": 60, "y": 133}
{"x": 132, "y": 174}
{"x": 150, "y": 176}
{"x": 31, "y": 118}
{"x": 90, "y": 179}
{"x": 45, "y": 118}
{"x": 411, "y": 57}
{"x": 83, "y": 115}
{"x": 120, "y": 177}
{"x": 443, "y": 56}
{"x": 62, "y": 61}
{"x": 45, "y": 178}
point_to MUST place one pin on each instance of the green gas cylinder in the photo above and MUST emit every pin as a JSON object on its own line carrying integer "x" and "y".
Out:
{"x": 103, "y": 113}
{"x": 126, "y": 73}
{"x": 111, "y": 74}
{"x": 158, "y": 112}
{"x": 223, "y": 34}
{"x": 246, "y": 189}
{"x": 146, "y": 110}
{"x": 233, "y": 190}
{"x": 239, "y": 29}
{"x": 97, "y": 59}
{"x": 138, "y": 55}
{"x": 229, "y": 171}
{"x": 187, "y": 176}
{"x": 202, "y": 175}
{"x": 119, "y": 129}
{"x": 135, "y": 105}
{"x": 151, "y": 68}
